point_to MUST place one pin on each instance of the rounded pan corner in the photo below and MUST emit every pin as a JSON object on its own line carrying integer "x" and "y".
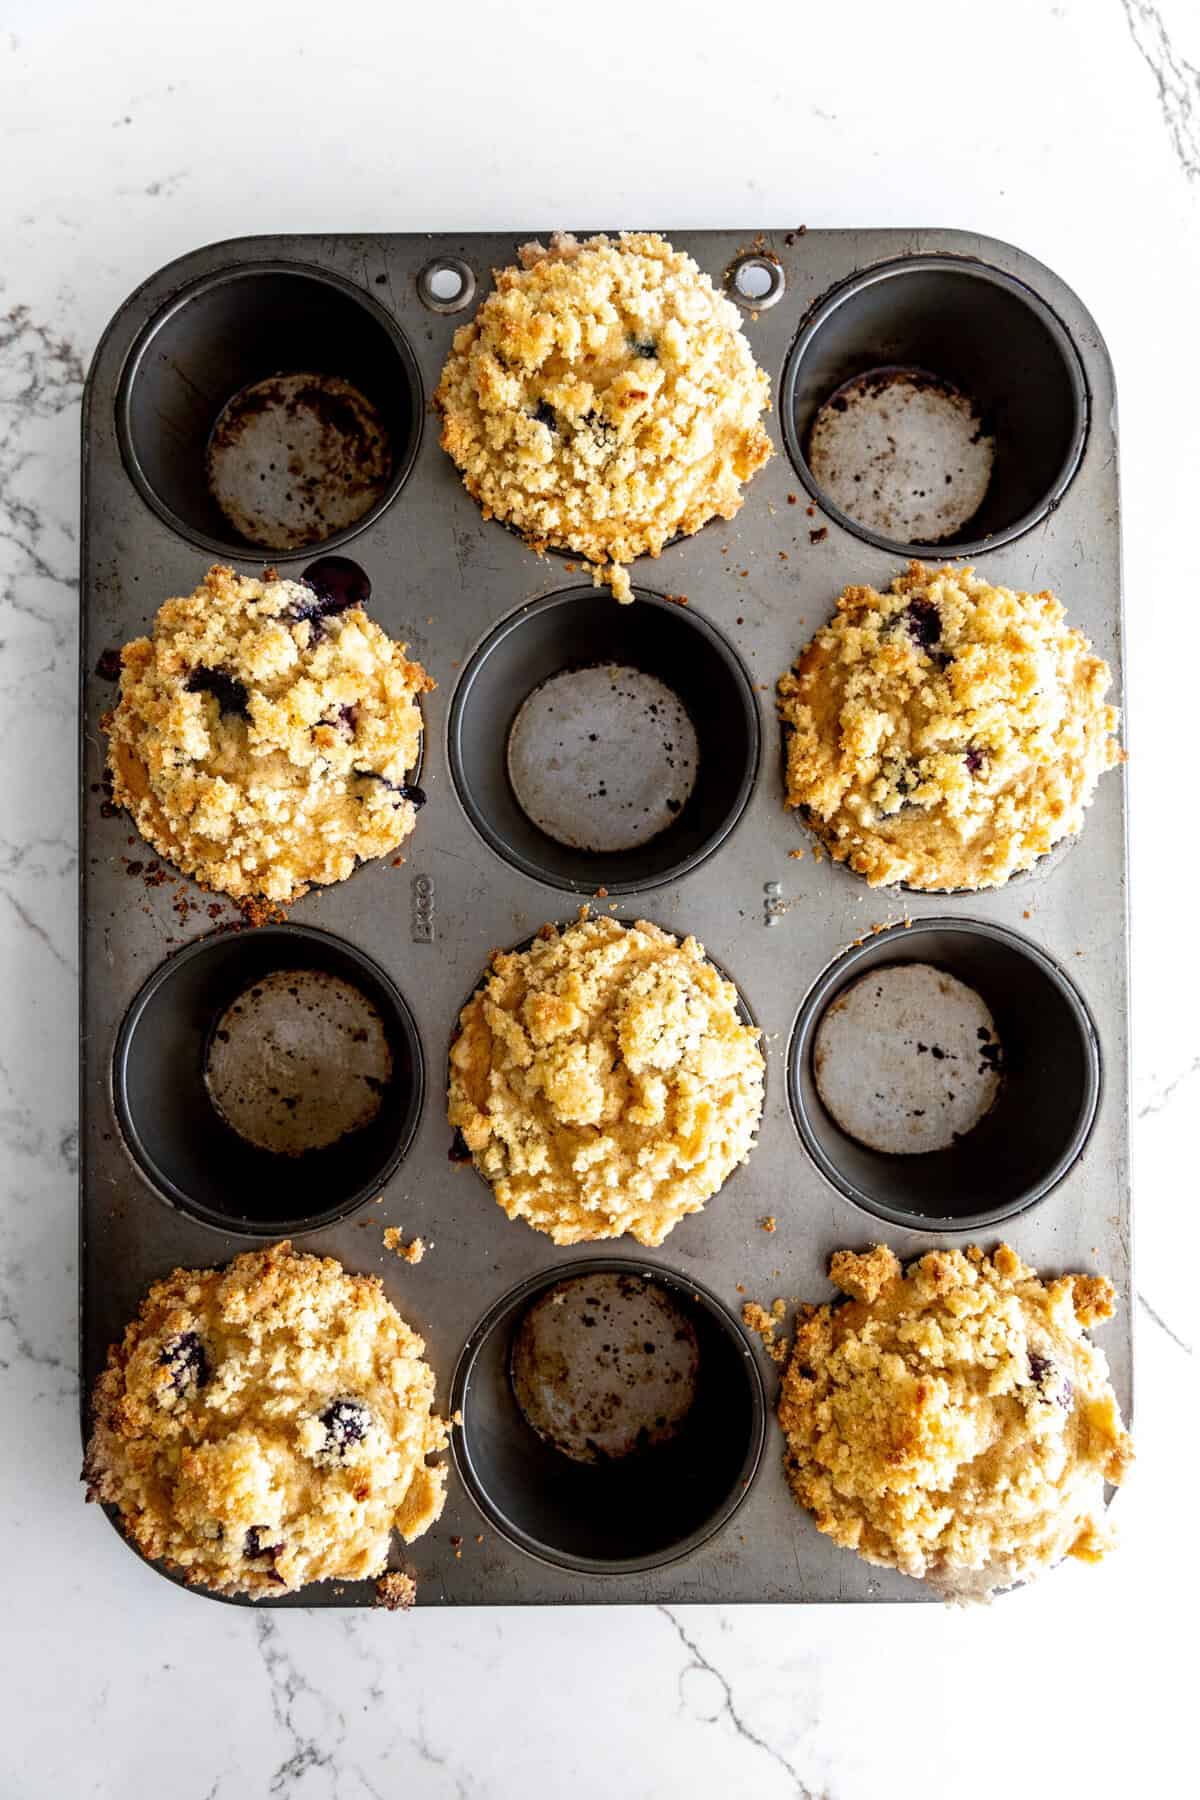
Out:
{"x": 291, "y": 1602}
{"x": 1032, "y": 270}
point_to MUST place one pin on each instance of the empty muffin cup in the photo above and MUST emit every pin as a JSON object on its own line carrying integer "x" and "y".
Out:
{"x": 270, "y": 407}
{"x": 935, "y": 405}
{"x": 1041, "y": 1041}
{"x": 612, "y": 1416}
{"x": 268, "y": 1081}
{"x": 594, "y": 745}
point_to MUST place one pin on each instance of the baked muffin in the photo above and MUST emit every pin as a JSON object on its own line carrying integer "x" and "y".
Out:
{"x": 264, "y": 736}
{"x": 267, "y": 1425}
{"x": 603, "y": 1081}
{"x": 604, "y": 400}
{"x": 946, "y": 733}
{"x": 954, "y": 1421}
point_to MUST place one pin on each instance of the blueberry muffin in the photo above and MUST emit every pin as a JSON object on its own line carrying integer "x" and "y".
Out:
{"x": 954, "y": 1421}
{"x": 603, "y": 1081}
{"x": 604, "y": 400}
{"x": 946, "y": 733}
{"x": 264, "y": 736}
{"x": 267, "y": 1425}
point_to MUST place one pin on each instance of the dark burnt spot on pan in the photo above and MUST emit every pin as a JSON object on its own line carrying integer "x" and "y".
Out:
{"x": 108, "y": 665}
{"x": 229, "y": 693}
{"x": 458, "y": 1151}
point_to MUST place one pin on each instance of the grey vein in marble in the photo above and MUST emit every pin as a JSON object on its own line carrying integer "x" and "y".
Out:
{"x": 1177, "y": 81}
{"x": 1162, "y": 1324}
{"x": 700, "y": 1661}
{"x": 1157, "y": 1101}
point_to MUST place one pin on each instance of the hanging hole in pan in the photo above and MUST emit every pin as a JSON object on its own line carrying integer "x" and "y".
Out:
{"x": 446, "y": 284}
{"x": 755, "y": 282}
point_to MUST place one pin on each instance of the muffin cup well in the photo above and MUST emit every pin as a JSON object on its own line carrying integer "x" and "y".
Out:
{"x": 1042, "y": 1116}
{"x": 961, "y": 324}
{"x": 178, "y": 1137}
{"x": 583, "y": 628}
{"x": 643, "y": 1510}
{"x": 235, "y": 331}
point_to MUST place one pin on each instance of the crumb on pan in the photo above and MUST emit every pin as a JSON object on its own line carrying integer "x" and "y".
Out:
{"x": 412, "y": 1252}
{"x": 395, "y": 1591}
{"x": 765, "y": 1324}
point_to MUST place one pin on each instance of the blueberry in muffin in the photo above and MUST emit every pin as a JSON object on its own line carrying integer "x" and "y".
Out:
{"x": 265, "y": 733}
{"x": 266, "y": 1425}
{"x": 946, "y": 733}
{"x": 954, "y": 1420}
{"x": 604, "y": 400}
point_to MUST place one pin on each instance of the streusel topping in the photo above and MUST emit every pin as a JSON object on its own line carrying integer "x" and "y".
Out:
{"x": 264, "y": 736}
{"x": 267, "y": 1424}
{"x": 955, "y": 1421}
{"x": 604, "y": 399}
{"x": 946, "y": 733}
{"x": 603, "y": 1081}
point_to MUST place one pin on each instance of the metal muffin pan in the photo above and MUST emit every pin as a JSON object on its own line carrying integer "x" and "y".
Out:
{"x": 487, "y": 618}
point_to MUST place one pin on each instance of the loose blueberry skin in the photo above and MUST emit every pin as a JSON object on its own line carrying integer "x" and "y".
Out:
{"x": 187, "y": 1360}
{"x": 229, "y": 693}
{"x": 643, "y": 347}
{"x": 346, "y": 1423}
{"x": 545, "y": 414}
{"x": 975, "y": 760}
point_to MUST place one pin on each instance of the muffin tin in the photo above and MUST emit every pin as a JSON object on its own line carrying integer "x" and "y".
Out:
{"x": 160, "y": 1186}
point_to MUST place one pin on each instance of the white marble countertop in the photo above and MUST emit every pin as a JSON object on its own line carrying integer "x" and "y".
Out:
{"x": 130, "y": 134}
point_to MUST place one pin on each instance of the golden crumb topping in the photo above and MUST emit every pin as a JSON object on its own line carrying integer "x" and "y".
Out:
{"x": 604, "y": 1082}
{"x": 954, "y": 1421}
{"x": 267, "y": 1425}
{"x": 604, "y": 400}
{"x": 946, "y": 733}
{"x": 263, "y": 738}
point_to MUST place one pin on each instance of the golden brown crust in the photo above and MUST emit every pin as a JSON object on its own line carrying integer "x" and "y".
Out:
{"x": 603, "y": 1081}
{"x": 267, "y": 1425}
{"x": 292, "y": 770}
{"x": 604, "y": 399}
{"x": 953, "y": 1421}
{"x": 946, "y": 733}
